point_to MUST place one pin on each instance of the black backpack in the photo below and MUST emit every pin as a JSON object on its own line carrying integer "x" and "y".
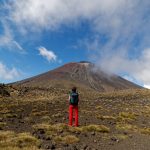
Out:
{"x": 74, "y": 98}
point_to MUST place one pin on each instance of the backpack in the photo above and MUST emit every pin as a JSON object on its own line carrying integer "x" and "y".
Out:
{"x": 74, "y": 98}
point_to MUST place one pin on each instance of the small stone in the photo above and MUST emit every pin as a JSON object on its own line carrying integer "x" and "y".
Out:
{"x": 130, "y": 136}
{"x": 93, "y": 133}
{"x": 60, "y": 131}
{"x": 47, "y": 147}
{"x": 75, "y": 148}
{"x": 85, "y": 146}
{"x": 48, "y": 138}
{"x": 111, "y": 143}
{"x": 65, "y": 145}
{"x": 41, "y": 131}
{"x": 125, "y": 133}
{"x": 114, "y": 139}
{"x": 88, "y": 148}
{"x": 53, "y": 146}
{"x": 95, "y": 141}
{"x": 21, "y": 121}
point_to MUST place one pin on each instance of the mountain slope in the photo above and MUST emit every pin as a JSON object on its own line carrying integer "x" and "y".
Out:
{"x": 79, "y": 74}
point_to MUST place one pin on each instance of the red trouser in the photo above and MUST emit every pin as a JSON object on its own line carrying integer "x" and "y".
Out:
{"x": 71, "y": 108}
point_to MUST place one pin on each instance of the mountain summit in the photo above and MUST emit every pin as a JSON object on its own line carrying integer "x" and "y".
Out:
{"x": 83, "y": 74}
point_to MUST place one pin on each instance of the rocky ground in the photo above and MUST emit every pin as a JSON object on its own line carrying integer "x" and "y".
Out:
{"x": 37, "y": 119}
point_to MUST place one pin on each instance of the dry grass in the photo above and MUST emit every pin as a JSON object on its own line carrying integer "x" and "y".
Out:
{"x": 75, "y": 129}
{"x": 17, "y": 148}
{"x": 98, "y": 107}
{"x": 106, "y": 117}
{"x": 47, "y": 127}
{"x": 126, "y": 94}
{"x": 2, "y": 125}
{"x": 57, "y": 128}
{"x": 39, "y": 113}
{"x": 127, "y": 116}
{"x": 10, "y": 115}
{"x": 46, "y": 119}
{"x": 121, "y": 136}
{"x": 11, "y": 140}
{"x": 57, "y": 115}
{"x": 126, "y": 127}
{"x": 97, "y": 128}
{"x": 145, "y": 131}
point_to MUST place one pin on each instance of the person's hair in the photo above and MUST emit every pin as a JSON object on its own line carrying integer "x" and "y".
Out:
{"x": 74, "y": 89}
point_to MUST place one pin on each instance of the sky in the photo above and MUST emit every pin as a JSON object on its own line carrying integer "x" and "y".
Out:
{"x": 39, "y": 35}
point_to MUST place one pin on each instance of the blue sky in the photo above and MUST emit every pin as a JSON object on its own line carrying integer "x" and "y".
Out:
{"x": 37, "y": 36}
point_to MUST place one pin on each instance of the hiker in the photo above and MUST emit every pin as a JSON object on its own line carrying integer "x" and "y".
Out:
{"x": 73, "y": 106}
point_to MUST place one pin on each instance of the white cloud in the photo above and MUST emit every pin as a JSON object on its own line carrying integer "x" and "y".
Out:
{"x": 7, "y": 73}
{"x": 138, "y": 69}
{"x": 49, "y": 55}
{"x": 147, "y": 86}
{"x": 7, "y": 40}
{"x": 51, "y": 14}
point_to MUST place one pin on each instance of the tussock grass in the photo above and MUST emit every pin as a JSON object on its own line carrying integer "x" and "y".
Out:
{"x": 4, "y": 135}
{"x": 2, "y": 125}
{"x": 17, "y": 148}
{"x": 97, "y": 128}
{"x": 121, "y": 136}
{"x": 26, "y": 140}
{"x": 47, "y": 127}
{"x": 11, "y": 140}
{"x": 75, "y": 129}
{"x": 98, "y": 107}
{"x": 57, "y": 115}
{"x": 39, "y": 113}
{"x": 126, "y": 116}
{"x": 126, "y": 94}
{"x": 56, "y": 128}
{"x": 126, "y": 127}
{"x": 46, "y": 119}
{"x": 10, "y": 115}
{"x": 145, "y": 131}
{"x": 106, "y": 117}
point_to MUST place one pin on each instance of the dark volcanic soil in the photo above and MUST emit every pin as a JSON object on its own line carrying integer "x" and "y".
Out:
{"x": 108, "y": 121}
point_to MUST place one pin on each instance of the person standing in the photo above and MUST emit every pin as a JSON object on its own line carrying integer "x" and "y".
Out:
{"x": 73, "y": 106}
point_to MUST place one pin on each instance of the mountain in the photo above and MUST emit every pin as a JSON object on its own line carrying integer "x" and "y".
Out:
{"x": 82, "y": 74}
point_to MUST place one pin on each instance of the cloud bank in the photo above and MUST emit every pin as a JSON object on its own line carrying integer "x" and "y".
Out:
{"x": 49, "y": 55}
{"x": 120, "y": 38}
{"x": 7, "y": 73}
